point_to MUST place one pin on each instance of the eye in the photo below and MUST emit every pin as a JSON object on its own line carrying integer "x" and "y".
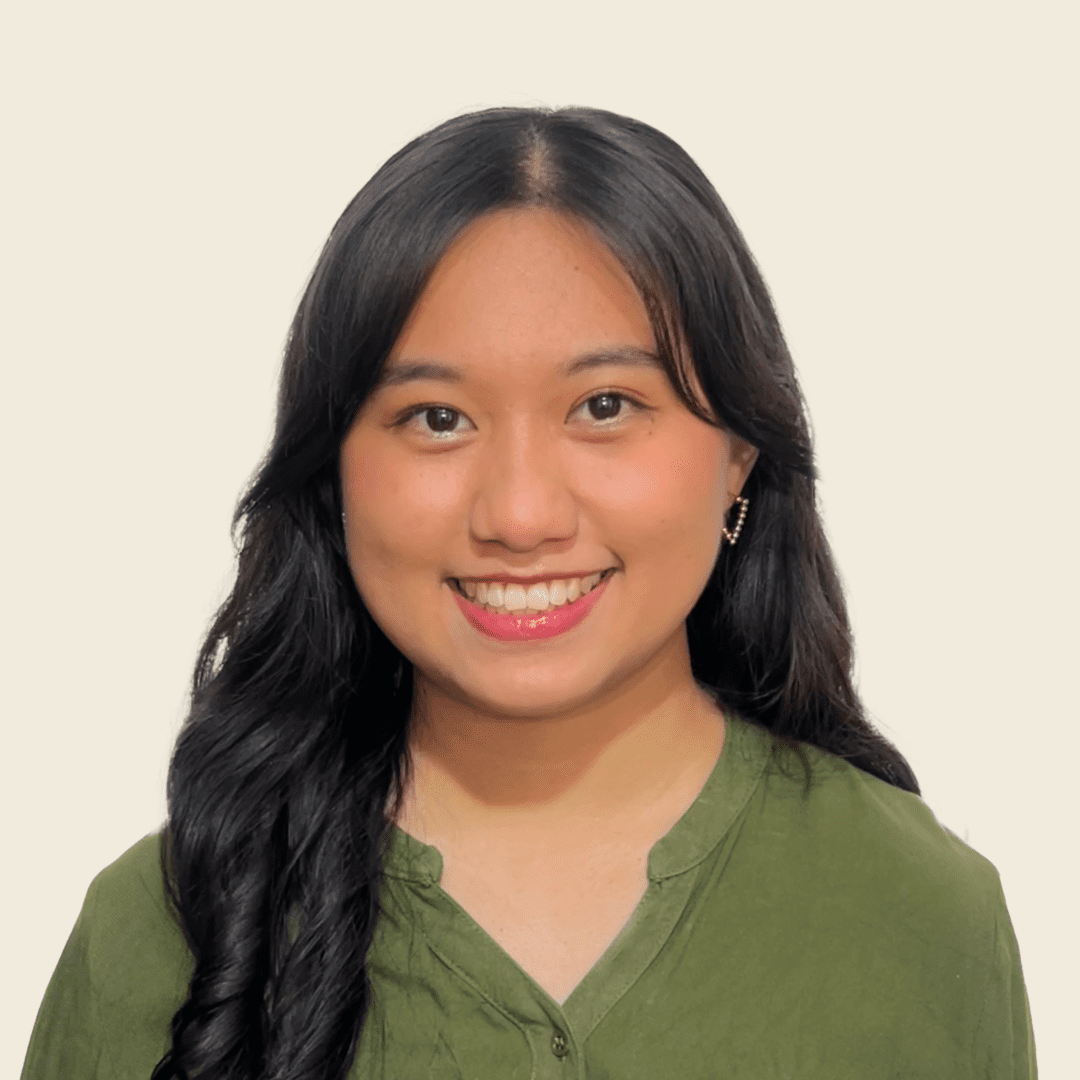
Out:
{"x": 440, "y": 423}
{"x": 432, "y": 421}
{"x": 608, "y": 409}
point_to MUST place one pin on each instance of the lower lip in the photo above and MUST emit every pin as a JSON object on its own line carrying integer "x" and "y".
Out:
{"x": 530, "y": 627}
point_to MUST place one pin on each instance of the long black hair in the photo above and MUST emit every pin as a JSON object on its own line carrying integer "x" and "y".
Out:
{"x": 290, "y": 765}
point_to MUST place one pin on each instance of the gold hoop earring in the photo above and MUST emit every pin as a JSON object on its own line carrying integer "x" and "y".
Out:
{"x": 732, "y": 536}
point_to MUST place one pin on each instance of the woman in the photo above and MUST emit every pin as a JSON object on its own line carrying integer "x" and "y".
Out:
{"x": 491, "y": 766}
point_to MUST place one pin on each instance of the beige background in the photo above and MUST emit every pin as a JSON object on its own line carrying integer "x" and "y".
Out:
{"x": 906, "y": 175}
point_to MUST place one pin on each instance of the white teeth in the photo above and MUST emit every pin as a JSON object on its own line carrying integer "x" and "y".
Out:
{"x": 531, "y": 599}
{"x": 514, "y": 598}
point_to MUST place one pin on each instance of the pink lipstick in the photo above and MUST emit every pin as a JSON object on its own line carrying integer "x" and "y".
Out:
{"x": 546, "y": 624}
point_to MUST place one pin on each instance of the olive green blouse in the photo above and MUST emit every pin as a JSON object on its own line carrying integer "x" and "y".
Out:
{"x": 837, "y": 933}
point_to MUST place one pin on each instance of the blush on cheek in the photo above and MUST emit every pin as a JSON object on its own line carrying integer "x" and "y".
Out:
{"x": 365, "y": 477}
{"x": 676, "y": 512}
{"x": 393, "y": 496}
{"x": 669, "y": 493}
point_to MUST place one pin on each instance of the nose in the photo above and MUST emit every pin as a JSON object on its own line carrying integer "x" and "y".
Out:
{"x": 522, "y": 498}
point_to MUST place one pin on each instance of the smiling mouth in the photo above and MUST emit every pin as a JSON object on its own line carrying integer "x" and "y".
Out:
{"x": 510, "y": 598}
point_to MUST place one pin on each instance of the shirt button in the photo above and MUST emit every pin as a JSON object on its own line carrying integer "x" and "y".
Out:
{"x": 559, "y": 1046}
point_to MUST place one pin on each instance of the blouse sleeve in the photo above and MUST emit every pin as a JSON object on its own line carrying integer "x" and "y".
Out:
{"x": 1005, "y": 1041}
{"x": 65, "y": 1043}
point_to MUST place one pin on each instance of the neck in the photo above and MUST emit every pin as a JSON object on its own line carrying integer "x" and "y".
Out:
{"x": 612, "y": 763}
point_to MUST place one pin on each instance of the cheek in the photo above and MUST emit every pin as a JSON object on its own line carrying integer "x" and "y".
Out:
{"x": 668, "y": 496}
{"x": 398, "y": 516}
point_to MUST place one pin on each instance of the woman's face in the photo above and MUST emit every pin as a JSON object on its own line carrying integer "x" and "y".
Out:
{"x": 521, "y": 431}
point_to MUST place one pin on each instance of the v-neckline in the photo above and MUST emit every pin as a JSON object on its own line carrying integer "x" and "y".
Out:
{"x": 725, "y": 791}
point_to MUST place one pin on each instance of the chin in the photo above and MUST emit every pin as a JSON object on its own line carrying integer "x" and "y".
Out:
{"x": 531, "y": 694}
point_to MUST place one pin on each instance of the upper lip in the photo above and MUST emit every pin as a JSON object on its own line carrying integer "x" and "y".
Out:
{"x": 554, "y": 575}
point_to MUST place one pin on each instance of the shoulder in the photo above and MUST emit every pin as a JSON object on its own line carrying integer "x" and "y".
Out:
{"x": 131, "y": 933}
{"x": 875, "y": 846}
{"x": 123, "y": 974}
{"x": 136, "y": 965}
{"x": 132, "y": 883}
{"x": 891, "y": 907}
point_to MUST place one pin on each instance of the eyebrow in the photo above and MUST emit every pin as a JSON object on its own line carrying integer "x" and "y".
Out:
{"x": 415, "y": 370}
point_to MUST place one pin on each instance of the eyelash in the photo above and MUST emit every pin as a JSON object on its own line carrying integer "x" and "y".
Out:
{"x": 446, "y": 436}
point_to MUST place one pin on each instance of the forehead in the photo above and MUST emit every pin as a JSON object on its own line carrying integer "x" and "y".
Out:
{"x": 527, "y": 287}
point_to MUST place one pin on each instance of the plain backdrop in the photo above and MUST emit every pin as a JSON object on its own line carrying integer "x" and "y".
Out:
{"x": 906, "y": 175}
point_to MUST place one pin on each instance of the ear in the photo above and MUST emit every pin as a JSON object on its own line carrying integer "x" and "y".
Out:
{"x": 741, "y": 460}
